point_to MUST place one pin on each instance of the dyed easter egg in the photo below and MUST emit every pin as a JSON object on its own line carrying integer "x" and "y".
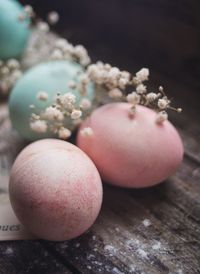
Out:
{"x": 14, "y": 33}
{"x": 51, "y": 77}
{"x": 55, "y": 190}
{"x": 131, "y": 151}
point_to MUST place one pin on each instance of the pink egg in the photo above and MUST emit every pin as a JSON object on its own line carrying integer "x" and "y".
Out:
{"x": 131, "y": 152}
{"x": 55, "y": 190}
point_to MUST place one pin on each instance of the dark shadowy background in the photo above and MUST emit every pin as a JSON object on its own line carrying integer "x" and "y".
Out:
{"x": 161, "y": 35}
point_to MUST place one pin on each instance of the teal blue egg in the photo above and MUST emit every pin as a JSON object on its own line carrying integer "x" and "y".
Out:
{"x": 51, "y": 77}
{"x": 14, "y": 33}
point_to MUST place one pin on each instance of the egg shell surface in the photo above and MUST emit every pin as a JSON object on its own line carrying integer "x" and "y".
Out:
{"x": 131, "y": 152}
{"x": 14, "y": 33}
{"x": 55, "y": 190}
{"x": 51, "y": 77}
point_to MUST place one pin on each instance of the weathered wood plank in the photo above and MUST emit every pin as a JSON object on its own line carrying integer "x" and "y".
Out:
{"x": 154, "y": 230}
{"x": 151, "y": 231}
{"x": 28, "y": 257}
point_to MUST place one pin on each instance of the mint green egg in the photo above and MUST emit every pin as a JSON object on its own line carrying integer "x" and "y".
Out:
{"x": 51, "y": 77}
{"x": 14, "y": 33}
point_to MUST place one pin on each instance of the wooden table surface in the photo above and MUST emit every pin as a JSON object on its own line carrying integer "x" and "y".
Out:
{"x": 155, "y": 230}
{"x": 148, "y": 231}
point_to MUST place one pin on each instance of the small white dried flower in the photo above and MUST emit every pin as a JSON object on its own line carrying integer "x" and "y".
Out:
{"x": 114, "y": 73}
{"x": 61, "y": 43}
{"x": 15, "y": 75}
{"x": 115, "y": 93}
{"x": 179, "y": 110}
{"x": 163, "y": 103}
{"x": 43, "y": 26}
{"x": 85, "y": 104}
{"x": 81, "y": 53}
{"x": 87, "y": 132}
{"x": 53, "y": 114}
{"x": 5, "y": 70}
{"x": 141, "y": 89}
{"x": 143, "y": 74}
{"x": 76, "y": 114}
{"x": 39, "y": 126}
{"x": 84, "y": 79}
{"x": 68, "y": 100}
{"x": 125, "y": 74}
{"x": 13, "y": 64}
{"x": 123, "y": 82}
{"x": 64, "y": 133}
{"x": 53, "y": 17}
{"x": 42, "y": 95}
{"x": 133, "y": 98}
{"x": 151, "y": 96}
{"x": 29, "y": 10}
{"x": 57, "y": 54}
{"x": 161, "y": 117}
{"x": 72, "y": 84}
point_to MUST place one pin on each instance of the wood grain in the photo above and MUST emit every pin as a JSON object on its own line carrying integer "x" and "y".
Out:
{"x": 155, "y": 230}
{"x": 148, "y": 231}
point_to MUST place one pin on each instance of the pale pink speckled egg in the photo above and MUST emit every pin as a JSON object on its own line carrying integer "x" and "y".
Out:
{"x": 55, "y": 190}
{"x": 131, "y": 152}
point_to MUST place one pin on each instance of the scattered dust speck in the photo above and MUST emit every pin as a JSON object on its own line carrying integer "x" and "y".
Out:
{"x": 117, "y": 229}
{"x": 116, "y": 271}
{"x": 146, "y": 222}
{"x": 63, "y": 245}
{"x": 90, "y": 256}
{"x": 132, "y": 268}
{"x": 77, "y": 245}
{"x": 132, "y": 243}
{"x": 93, "y": 237}
{"x": 89, "y": 267}
{"x": 97, "y": 263}
{"x": 142, "y": 253}
{"x": 156, "y": 246}
{"x": 111, "y": 249}
{"x": 9, "y": 251}
{"x": 180, "y": 271}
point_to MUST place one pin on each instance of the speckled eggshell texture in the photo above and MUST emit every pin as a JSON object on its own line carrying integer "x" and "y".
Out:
{"x": 51, "y": 77}
{"x": 131, "y": 152}
{"x": 55, "y": 190}
{"x": 14, "y": 33}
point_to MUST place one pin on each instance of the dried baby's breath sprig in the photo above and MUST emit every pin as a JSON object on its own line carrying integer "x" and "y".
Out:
{"x": 10, "y": 72}
{"x": 62, "y": 116}
{"x": 53, "y": 17}
{"x": 110, "y": 77}
{"x": 68, "y": 112}
{"x": 87, "y": 132}
{"x": 39, "y": 126}
{"x": 119, "y": 83}
{"x": 44, "y": 45}
{"x": 41, "y": 42}
{"x": 161, "y": 117}
{"x": 64, "y": 133}
{"x": 63, "y": 50}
